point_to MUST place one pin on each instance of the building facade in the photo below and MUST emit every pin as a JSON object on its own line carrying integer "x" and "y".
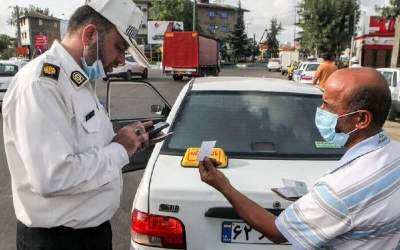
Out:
{"x": 373, "y": 47}
{"x": 38, "y": 32}
{"x": 144, "y": 6}
{"x": 217, "y": 20}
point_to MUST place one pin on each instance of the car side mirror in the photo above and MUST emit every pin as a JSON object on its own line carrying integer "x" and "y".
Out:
{"x": 156, "y": 109}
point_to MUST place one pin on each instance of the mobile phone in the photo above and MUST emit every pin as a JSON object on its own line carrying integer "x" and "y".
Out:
{"x": 157, "y": 128}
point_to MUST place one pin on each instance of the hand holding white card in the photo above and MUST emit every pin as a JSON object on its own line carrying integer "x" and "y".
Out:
{"x": 205, "y": 149}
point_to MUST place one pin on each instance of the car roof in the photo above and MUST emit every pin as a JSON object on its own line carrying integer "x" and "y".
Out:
{"x": 388, "y": 69}
{"x": 252, "y": 84}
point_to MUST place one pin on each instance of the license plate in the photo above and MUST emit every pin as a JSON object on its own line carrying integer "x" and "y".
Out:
{"x": 239, "y": 232}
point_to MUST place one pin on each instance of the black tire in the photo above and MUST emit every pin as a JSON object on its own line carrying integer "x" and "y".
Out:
{"x": 128, "y": 75}
{"x": 145, "y": 73}
{"x": 392, "y": 115}
{"x": 269, "y": 70}
{"x": 177, "y": 78}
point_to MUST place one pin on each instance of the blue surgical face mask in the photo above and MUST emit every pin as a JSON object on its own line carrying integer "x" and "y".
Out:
{"x": 326, "y": 123}
{"x": 96, "y": 70}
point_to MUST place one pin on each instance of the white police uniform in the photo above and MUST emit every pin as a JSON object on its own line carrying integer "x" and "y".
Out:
{"x": 64, "y": 167}
{"x": 355, "y": 206}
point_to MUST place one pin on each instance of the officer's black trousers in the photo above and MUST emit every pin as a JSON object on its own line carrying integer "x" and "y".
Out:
{"x": 64, "y": 238}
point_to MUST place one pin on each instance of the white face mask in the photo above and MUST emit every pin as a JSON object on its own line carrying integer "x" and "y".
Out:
{"x": 96, "y": 70}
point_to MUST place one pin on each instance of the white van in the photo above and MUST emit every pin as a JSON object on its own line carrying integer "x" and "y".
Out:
{"x": 392, "y": 78}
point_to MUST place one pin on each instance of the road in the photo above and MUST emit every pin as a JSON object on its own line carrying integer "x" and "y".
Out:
{"x": 121, "y": 221}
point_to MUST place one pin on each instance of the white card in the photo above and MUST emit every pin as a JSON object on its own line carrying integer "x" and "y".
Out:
{"x": 299, "y": 186}
{"x": 206, "y": 149}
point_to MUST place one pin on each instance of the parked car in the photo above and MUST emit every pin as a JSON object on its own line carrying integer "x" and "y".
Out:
{"x": 392, "y": 76}
{"x": 129, "y": 69}
{"x": 308, "y": 73}
{"x": 298, "y": 71}
{"x": 8, "y": 69}
{"x": 274, "y": 64}
{"x": 266, "y": 128}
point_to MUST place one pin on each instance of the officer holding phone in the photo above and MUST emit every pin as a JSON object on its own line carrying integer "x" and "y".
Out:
{"x": 64, "y": 158}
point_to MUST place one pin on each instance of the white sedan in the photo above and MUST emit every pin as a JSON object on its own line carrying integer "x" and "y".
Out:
{"x": 129, "y": 69}
{"x": 308, "y": 73}
{"x": 265, "y": 127}
{"x": 8, "y": 69}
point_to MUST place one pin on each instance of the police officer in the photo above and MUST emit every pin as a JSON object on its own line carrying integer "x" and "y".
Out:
{"x": 355, "y": 206}
{"x": 64, "y": 158}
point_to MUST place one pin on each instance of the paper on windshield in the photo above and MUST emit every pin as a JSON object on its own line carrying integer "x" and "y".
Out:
{"x": 300, "y": 187}
{"x": 206, "y": 149}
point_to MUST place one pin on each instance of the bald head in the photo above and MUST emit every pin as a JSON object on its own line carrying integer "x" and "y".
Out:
{"x": 361, "y": 88}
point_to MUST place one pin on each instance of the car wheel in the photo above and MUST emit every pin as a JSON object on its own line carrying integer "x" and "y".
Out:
{"x": 145, "y": 74}
{"x": 128, "y": 75}
{"x": 269, "y": 70}
{"x": 177, "y": 78}
{"x": 391, "y": 115}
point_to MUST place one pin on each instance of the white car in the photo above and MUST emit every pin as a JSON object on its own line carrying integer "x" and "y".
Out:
{"x": 129, "y": 69}
{"x": 274, "y": 64}
{"x": 308, "y": 73}
{"x": 8, "y": 69}
{"x": 298, "y": 71}
{"x": 392, "y": 76}
{"x": 266, "y": 128}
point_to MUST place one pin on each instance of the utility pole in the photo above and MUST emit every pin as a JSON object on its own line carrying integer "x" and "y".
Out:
{"x": 16, "y": 8}
{"x": 194, "y": 14}
{"x": 294, "y": 29}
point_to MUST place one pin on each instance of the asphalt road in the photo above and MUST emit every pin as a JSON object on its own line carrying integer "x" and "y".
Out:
{"x": 121, "y": 221}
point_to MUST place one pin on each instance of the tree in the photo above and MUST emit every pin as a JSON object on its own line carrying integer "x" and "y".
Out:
{"x": 4, "y": 43}
{"x": 391, "y": 11}
{"x": 238, "y": 38}
{"x": 174, "y": 10}
{"x": 23, "y": 11}
{"x": 328, "y": 25}
{"x": 272, "y": 40}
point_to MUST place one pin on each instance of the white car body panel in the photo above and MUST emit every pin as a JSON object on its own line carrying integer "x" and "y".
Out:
{"x": 309, "y": 73}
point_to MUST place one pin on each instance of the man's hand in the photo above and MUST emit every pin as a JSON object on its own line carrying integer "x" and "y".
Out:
{"x": 212, "y": 176}
{"x": 134, "y": 137}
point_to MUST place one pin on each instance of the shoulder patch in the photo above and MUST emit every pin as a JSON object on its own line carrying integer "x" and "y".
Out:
{"x": 78, "y": 78}
{"x": 50, "y": 71}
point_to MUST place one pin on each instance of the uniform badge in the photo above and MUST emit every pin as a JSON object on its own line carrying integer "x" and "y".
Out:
{"x": 78, "y": 78}
{"x": 50, "y": 71}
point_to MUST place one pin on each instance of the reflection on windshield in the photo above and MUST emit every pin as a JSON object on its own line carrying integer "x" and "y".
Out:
{"x": 250, "y": 124}
{"x": 8, "y": 69}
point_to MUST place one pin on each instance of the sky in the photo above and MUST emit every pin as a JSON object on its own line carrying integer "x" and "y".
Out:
{"x": 261, "y": 12}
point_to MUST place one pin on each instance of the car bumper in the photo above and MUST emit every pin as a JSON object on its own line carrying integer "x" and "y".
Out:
{"x": 306, "y": 81}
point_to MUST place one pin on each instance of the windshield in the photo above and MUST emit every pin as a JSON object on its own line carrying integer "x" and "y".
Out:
{"x": 8, "y": 69}
{"x": 251, "y": 124}
{"x": 388, "y": 76}
{"x": 312, "y": 67}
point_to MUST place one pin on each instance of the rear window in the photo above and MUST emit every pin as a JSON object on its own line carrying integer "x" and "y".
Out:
{"x": 8, "y": 69}
{"x": 388, "y": 76}
{"x": 312, "y": 67}
{"x": 251, "y": 124}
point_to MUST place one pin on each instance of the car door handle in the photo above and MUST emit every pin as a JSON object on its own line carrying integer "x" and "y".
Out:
{"x": 230, "y": 213}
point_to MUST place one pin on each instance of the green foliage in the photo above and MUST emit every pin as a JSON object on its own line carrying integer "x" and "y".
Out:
{"x": 4, "y": 43}
{"x": 328, "y": 25}
{"x": 393, "y": 10}
{"x": 272, "y": 40}
{"x": 238, "y": 38}
{"x": 174, "y": 10}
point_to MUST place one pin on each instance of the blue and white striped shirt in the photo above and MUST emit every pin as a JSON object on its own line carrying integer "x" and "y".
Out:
{"x": 355, "y": 206}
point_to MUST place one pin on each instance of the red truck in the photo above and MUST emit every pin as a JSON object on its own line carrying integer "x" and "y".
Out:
{"x": 189, "y": 54}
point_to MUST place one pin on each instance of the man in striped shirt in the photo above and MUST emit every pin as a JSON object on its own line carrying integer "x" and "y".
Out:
{"x": 355, "y": 206}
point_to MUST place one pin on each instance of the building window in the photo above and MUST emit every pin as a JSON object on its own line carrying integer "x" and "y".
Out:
{"x": 212, "y": 28}
{"x": 144, "y": 9}
{"x": 211, "y": 14}
{"x": 224, "y": 28}
{"x": 223, "y": 15}
{"x": 40, "y": 22}
{"x": 55, "y": 25}
{"x": 144, "y": 26}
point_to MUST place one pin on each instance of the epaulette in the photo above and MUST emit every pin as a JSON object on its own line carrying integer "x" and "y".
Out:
{"x": 50, "y": 71}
